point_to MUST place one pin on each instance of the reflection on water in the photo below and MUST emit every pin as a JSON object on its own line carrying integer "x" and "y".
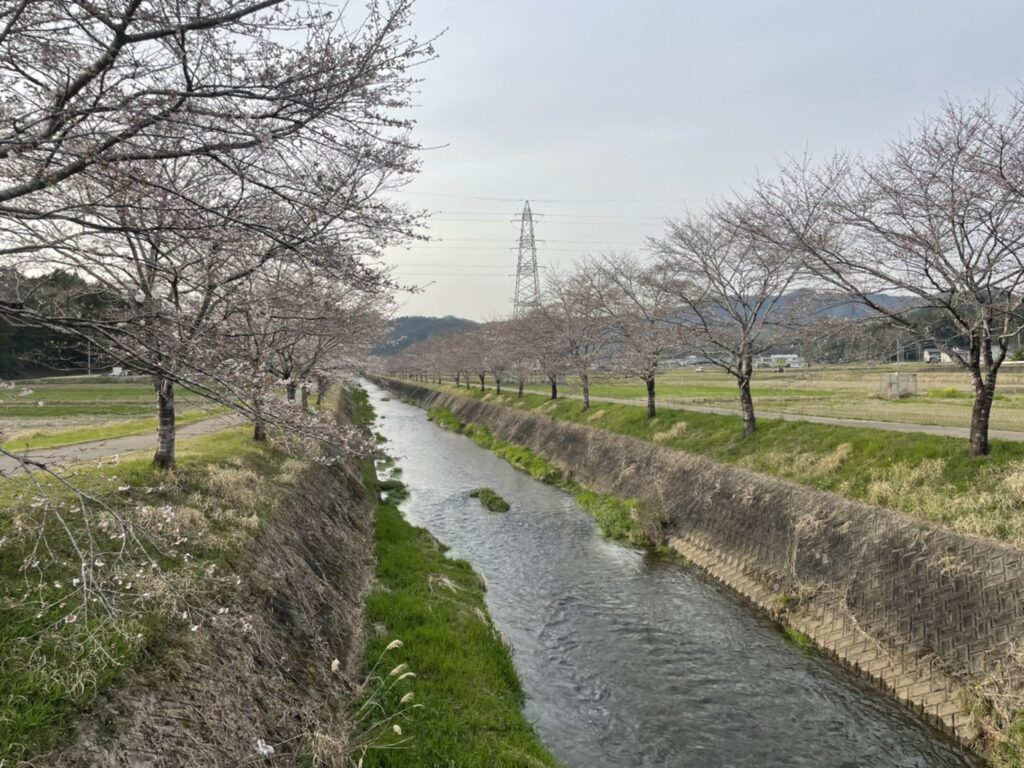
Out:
{"x": 629, "y": 660}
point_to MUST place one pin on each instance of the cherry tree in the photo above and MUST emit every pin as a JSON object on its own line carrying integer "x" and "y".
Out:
{"x": 574, "y": 322}
{"x": 639, "y": 309}
{"x": 937, "y": 220}
{"x": 731, "y": 292}
{"x": 288, "y": 166}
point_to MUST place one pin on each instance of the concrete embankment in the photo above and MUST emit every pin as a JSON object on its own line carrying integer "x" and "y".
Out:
{"x": 934, "y": 616}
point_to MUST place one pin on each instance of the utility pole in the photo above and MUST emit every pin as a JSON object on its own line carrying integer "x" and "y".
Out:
{"x": 527, "y": 278}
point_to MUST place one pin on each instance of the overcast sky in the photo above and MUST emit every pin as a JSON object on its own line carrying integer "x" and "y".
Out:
{"x": 610, "y": 116}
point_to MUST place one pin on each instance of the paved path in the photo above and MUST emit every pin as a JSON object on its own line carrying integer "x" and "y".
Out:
{"x": 114, "y": 446}
{"x": 887, "y": 426}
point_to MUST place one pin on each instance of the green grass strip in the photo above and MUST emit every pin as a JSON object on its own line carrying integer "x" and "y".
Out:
{"x": 470, "y": 697}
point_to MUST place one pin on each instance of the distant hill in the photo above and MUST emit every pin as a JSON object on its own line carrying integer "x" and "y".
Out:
{"x": 840, "y": 308}
{"x": 416, "y": 328}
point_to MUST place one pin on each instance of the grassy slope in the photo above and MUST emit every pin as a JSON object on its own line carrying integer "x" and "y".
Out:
{"x": 470, "y": 698}
{"x": 49, "y": 668}
{"x": 921, "y": 475}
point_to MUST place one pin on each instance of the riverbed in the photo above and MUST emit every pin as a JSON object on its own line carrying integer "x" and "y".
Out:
{"x": 628, "y": 659}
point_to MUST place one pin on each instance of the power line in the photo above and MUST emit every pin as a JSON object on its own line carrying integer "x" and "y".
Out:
{"x": 508, "y": 248}
{"x": 551, "y": 200}
{"x": 453, "y": 274}
{"x": 546, "y": 216}
{"x": 505, "y": 240}
{"x": 598, "y": 222}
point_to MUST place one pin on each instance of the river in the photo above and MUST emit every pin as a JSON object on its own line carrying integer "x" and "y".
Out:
{"x": 628, "y": 659}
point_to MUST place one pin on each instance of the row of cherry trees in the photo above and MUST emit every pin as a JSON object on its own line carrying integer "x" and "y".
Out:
{"x": 610, "y": 314}
{"x": 924, "y": 237}
{"x": 216, "y": 173}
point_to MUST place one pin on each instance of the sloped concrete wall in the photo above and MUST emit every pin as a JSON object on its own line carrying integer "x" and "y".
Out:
{"x": 928, "y": 613}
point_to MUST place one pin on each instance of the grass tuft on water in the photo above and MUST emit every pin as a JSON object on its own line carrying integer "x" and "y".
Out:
{"x": 799, "y": 639}
{"x": 394, "y": 489}
{"x": 490, "y": 499}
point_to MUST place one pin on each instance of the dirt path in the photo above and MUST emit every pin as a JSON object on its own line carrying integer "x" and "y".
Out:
{"x": 887, "y": 426}
{"x": 114, "y": 446}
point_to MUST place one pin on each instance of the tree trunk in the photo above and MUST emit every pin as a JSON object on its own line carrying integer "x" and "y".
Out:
{"x": 305, "y": 396}
{"x": 497, "y": 385}
{"x": 747, "y": 402}
{"x": 458, "y": 380}
{"x": 259, "y": 431}
{"x": 164, "y": 456}
{"x": 481, "y": 381}
{"x": 322, "y": 385}
{"x": 984, "y": 393}
{"x": 290, "y": 389}
{"x": 554, "y": 387}
{"x": 651, "y": 412}
{"x": 585, "y": 381}
{"x": 520, "y": 387}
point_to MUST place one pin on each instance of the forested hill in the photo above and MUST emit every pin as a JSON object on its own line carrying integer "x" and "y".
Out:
{"x": 415, "y": 328}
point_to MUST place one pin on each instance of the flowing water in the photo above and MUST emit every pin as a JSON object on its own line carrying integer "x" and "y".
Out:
{"x": 630, "y": 660}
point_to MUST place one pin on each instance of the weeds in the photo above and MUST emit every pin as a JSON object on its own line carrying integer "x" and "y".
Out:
{"x": 798, "y": 639}
{"x": 394, "y": 489}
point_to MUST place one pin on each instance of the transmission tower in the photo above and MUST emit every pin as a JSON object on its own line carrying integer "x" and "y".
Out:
{"x": 527, "y": 279}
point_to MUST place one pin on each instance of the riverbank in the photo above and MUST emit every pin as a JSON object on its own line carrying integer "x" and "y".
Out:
{"x": 928, "y": 477}
{"x": 212, "y": 613}
{"x": 467, "y": 694}
{"x": 929, "y": 614}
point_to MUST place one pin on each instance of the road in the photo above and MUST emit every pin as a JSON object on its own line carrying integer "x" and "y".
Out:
{"x": 886, "y": 426}
{"x": 115, "y": 446}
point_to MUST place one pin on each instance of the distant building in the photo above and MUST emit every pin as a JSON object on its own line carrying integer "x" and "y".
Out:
{"x": 787, "y": 361}
{"x": 934, "y": 355}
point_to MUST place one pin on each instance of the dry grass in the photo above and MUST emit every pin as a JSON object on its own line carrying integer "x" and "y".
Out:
{"x": 241, "y": 488}
{"x": 671, "y": 433}
{"x": 924, "y": 492}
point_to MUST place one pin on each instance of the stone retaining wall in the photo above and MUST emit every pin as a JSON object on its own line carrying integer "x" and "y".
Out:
{"x": 932, "y": 615}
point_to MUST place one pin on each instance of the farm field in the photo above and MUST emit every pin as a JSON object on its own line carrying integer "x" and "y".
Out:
{"x": 43, "y": 413}
{"x": 943, "y": 399}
